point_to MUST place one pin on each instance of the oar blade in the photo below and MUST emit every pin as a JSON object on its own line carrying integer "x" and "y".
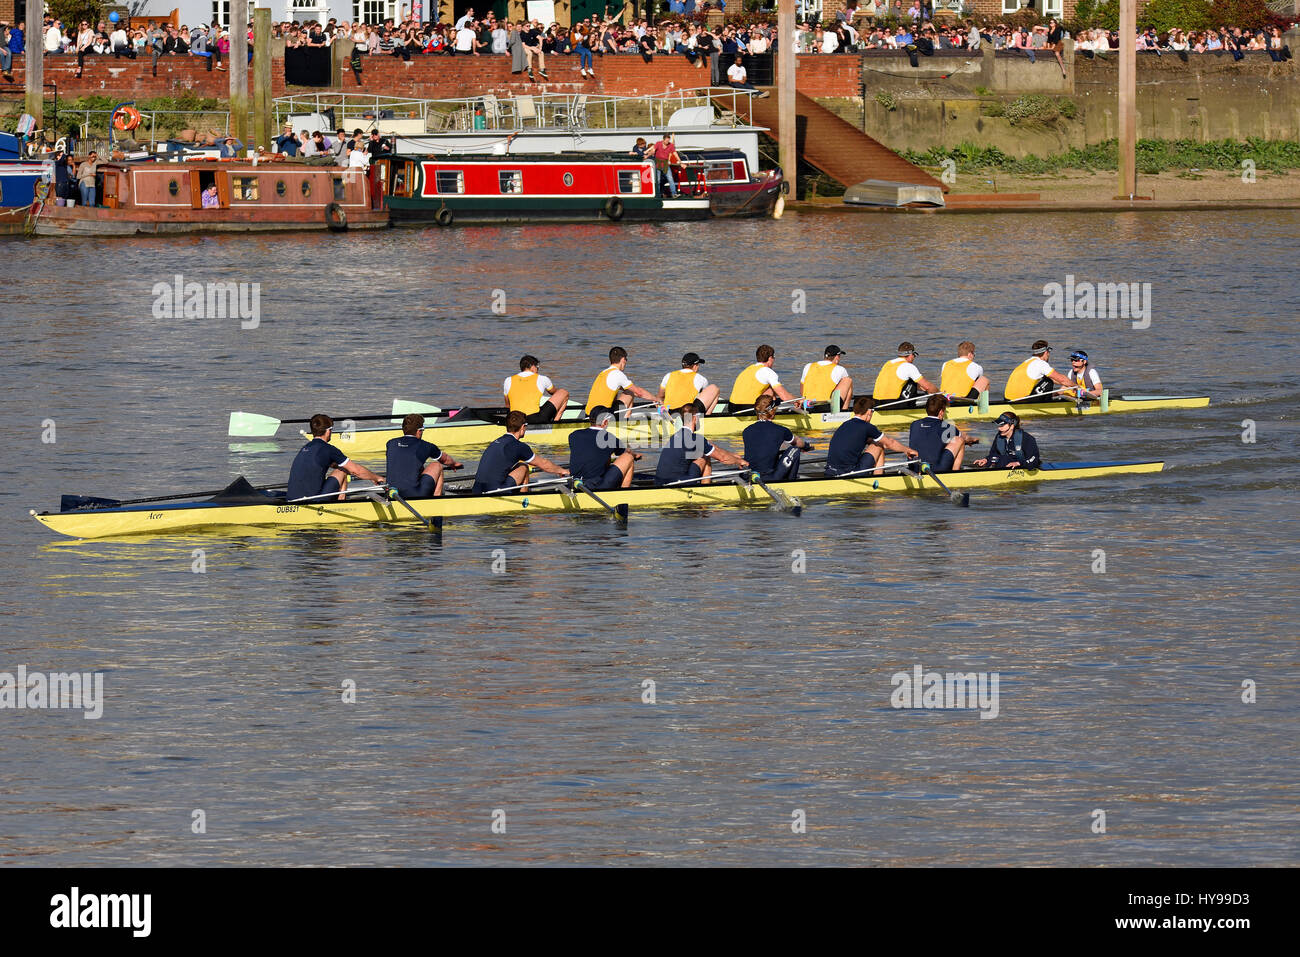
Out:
{"x": 961, "y": 499}
{"x": 620, "y": 512}
{"x": 404, "y": 407}
{"x": 251, "y": 424}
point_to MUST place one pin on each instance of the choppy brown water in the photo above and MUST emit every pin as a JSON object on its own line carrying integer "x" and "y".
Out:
{"x": 1119, "y": 691}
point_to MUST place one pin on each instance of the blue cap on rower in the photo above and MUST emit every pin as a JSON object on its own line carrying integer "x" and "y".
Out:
{"x": 690, "y": 359}
{"x": 1006, "y": 418}
{"x": 1079, "y": 354}
{"x": 600, "y": 414}
{"x": 833, "y": 351}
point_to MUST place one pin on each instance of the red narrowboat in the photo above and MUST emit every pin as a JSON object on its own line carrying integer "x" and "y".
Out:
{"x": 477, "y": 187}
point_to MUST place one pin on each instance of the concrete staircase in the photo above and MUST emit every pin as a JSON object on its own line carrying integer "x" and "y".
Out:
{"x": 837, "y": 148}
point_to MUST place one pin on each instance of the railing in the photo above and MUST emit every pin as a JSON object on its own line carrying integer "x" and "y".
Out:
{"x": 153, "y": 124}
{"x": 490, "y": 112}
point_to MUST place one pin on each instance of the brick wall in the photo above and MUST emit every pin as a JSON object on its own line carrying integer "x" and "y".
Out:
{"x": 835, "y": 74}
{"x": 433, "y": 77}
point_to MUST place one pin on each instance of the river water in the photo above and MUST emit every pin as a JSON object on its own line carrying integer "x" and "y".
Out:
{"x": 518, "y": 698}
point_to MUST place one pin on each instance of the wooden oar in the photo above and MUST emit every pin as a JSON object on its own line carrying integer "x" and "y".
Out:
{"x": 784, "y": 502}
{"x": 619, "y": 513}
{"x": 962, "y": 499}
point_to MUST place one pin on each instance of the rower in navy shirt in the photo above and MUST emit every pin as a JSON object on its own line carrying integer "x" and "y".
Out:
{"x": 505, "y": 462}
{"x": 939, "y": 443}
{"x": 320, "y": 468}
{"x": 691, "y": 456}
{"x": 1013, "y": 447}
{"x": 590, "y": 452}
{"x": 406, "y": 457}
{"x": 858, "y": 446}
{"x": 764, "y": 441}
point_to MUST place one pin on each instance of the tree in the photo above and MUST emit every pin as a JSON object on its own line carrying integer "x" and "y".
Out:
{"x": 1247, "y": 14}
{"x": 72, "y": 12}
{"x": 1165, "y": 15}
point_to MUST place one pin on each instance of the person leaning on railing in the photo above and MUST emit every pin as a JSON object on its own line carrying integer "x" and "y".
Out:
{"x": 6, "y": 56}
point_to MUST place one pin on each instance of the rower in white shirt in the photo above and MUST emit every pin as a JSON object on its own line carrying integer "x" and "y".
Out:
{"x": 758, "y": 379}
{"x": 820, "y": 380}
{"x": 899, "y": 378}
{"x": 1035, "y": 378}
{"x": 963, "y": 377}
{"x": 533, "y": 394}
{"x": 687, "y": 385}
{"x": 612, "y": 386}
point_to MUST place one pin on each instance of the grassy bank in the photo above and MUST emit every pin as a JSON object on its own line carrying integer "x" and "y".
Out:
{"x": 1153, "y": 156}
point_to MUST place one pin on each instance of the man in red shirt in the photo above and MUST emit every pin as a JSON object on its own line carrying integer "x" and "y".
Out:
{"x": 665, "y": 156}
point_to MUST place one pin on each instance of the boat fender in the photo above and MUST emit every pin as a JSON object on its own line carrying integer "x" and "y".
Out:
{"x": 614, "y": 208}
{"x": 126, "y": 118}
{"x": 336, "y": 218}
{"x": 444, "y": 216}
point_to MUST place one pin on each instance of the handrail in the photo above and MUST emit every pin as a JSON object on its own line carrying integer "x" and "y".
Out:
{"x": 501, "y": 111}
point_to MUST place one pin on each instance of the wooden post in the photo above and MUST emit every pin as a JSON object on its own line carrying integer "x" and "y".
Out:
{"x": 787, "y": 132}
{"x": 262, "y": 77}
{"x": 1127, "y": 99}
{"x": 239, "y": 70}
{"x": 34, "y": 63}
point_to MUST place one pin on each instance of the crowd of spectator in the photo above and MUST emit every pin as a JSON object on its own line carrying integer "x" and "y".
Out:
{"x": 859, "y": 27}
{"x": 114, "y": 38}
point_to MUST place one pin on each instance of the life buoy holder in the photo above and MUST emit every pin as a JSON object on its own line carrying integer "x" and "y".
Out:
{"x": 613, "y": 209}
{"x": 126, "y": 118}
{"x": 336, "y": 218}
{"x": 444, "y": 216}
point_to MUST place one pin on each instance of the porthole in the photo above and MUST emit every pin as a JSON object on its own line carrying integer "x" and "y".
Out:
{"x": 173, "y": 187}
{"x": 279, "y": 187}
{"x": 306, "y": 187}
{"x": 568, "y": 179}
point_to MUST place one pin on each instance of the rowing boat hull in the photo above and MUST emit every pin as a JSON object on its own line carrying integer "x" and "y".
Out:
{"x": 371, "y": 442}
{"x": 167, "y": 519}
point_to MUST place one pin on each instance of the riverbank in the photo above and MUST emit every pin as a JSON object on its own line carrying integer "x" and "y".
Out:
{"x": 1079, "y": 190}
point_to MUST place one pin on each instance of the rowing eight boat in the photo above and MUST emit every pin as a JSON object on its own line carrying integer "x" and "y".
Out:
{"x": 209, "y": 516}
{"x": 451, "y": 433}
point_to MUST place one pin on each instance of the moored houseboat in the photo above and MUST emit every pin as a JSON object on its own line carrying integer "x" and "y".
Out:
{"x": 477, "y": 188}
{"x": 22, "y": 182}
{"x": 218, "y": 196}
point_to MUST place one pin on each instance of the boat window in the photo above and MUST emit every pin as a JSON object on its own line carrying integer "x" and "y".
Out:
{"x": 450, "y": 181}
{"x": 403, "y": 177}
{"x": 279, "y": 187}
{"x": 629, "y": 181}
{"x": 173, "y": 187}
{"x": 244, "y": 187}
{"x": 339, "y": 191}
{"x": 511, "y": 180}
{"x": 306, "y": 187}
{"x": 718, "y": 172}
{"x": 568, "y": 179}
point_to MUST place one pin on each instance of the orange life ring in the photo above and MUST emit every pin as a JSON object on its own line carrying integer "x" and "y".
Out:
{"x": 126, "y": 118}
